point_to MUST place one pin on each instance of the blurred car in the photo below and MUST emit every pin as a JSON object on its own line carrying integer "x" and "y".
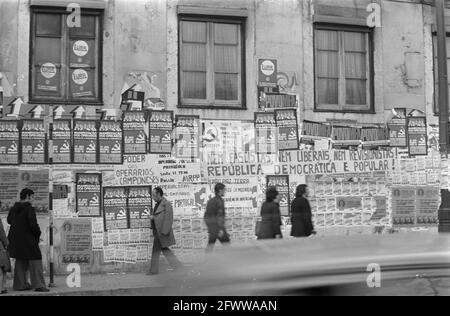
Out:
{"x": 409, "y": 264}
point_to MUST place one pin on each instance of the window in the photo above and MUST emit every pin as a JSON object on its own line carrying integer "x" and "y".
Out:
{"x": 211, "y": 63}
{"x": 343, "y": 68}
{"x": 65, "y": 61}
{"x": 436, "y": 73}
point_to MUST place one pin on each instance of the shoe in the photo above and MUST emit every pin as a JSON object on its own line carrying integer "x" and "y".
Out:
{"x": 42, "y": 289}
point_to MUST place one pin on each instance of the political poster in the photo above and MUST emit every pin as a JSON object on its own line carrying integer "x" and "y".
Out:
{"x": 344, "y": 136}
{"x": 140, "y": 206}
{"x": 85, "y": 141}
{"x": 161, "y": 127}
{"x": 187, "y": 136}
{"x": 428, "y": 200}
{"x": 403, "y": 205}
{"x": 397, "y": 129}
{"x": 417, "y": 136}
{"x": 76, "y": 240}
{"x": 115, "y": 208}
{"x": 227, "y": 138}
{"x": 48, "y": 79}
{"x": 33, "y": 142}
{"x": 9, "y": 143}
{"x": 110, "y": 136}
{"x": 82, "y": 83}
{"x": 267, "y": 72}
{"x": 134, "y": 127}
{"x": 61, "y": 134}
{"x": 137, "y": 170}
{"x": 14, "y": 180}
{"x": 313, "y": 131}
{"x": 349, "y": 203}
{"x": 374, "y": 137}
{"x": 287, "y": 127}
{"x": 265, "y": 133}
{"x": 281, "y": 183}
{"x": 88, "y": 194}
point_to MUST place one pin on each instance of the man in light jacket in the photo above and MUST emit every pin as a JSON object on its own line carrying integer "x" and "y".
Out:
{"x": 162, "y": 220}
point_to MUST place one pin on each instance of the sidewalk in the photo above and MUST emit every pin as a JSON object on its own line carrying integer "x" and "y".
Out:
{"x": 132, "y": 284}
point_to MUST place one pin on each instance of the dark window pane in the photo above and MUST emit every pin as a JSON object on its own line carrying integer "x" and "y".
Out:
{"x": 226, "y": 86}
{"x": 194, "y": 31}
{"x": 47, "y": 80}
{"x": 327, "y": 64}
{"x": 355, "y": 42}
{"x": 48, "y": 50}
{"x": 327, "y": 91}
{"x": 82, "y": 83}
{"x": 355, "y": 65}
{"x": 48, "y": 24}
{"x": 194, "y": 85}
{"x": 226, "y": 33}
{"x": 356, "y": 92}
{"x": 82, "y": 53}
{"x": 194, "y": 57}
{"x": 87, "y": 28}
{"x": 327, "y": 40}
{"x": 227, "y": 59}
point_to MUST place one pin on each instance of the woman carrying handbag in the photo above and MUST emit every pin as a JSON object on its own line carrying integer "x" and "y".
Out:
{"x": 5, "y": 263}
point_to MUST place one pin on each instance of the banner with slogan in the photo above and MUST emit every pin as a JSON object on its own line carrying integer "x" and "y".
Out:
{"x": 34, "y": 142}
{"x": 187, "y": 136}
{"x": 281, "y": 183}
{"x": 417, "y": 136}
{"x": 287, "y": 127}
{"x": 303, "y": 163}
{"x": 88, "y": 194}
{"x": 110, "y": 137}
{"x": 397, "y": 129}
{"x": 265, "y": 133}
{"x": 161, "y": 127}
{"x": 135, "y": 138}
{"x": 61, "y": 134}
{"x": 374, "y": 137}
{"x": 136, "y": 170}
{"x": 9, "y": 143}
{"x": 174, "y": 170}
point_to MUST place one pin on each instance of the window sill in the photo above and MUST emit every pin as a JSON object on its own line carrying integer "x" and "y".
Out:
{"x": 346, "y": 111}
{"x": 56, "y": 102}
{"x": 213, "y": 107}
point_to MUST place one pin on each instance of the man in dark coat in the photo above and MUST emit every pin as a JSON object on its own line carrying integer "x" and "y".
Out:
{"x": 24, "y": 235}
{"x": 162, "y": 221}
{"x": 301, "y": 216}
{"x": 215, "y": 218}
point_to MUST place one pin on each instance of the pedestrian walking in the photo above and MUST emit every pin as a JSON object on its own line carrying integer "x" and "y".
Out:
{"x": 5, "y": 262}
{"x": 162, "y": 221}
{"x": 24, "y": 236}
{"x": 270, "y": 225}
{"x": 215, "y": 218}
{"x": 301, "y": 216}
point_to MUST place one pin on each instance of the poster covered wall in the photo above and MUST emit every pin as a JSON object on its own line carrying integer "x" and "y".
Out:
{"x": 88, "y": 194}
{"x": 34, "y": 142}
{"x": 287, "y": 126}
{"x": 161, "y": 126}
{"x": 265, "y": 133}
{"x": 61, "y": 134}
{"x": 76, "y": 241}
{"x": 115, "y": 208}
{"x": 9, "y": 143}
{"x": 110, "y": 137}
{"x": 187, "y": 136}
{"x": 135, "y": 138}
{"x": 140, "y": 206}
{"x": 85, "y": 141}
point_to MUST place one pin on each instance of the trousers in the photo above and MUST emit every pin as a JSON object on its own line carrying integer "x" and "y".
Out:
{"x": 156, "y": 253}
{"x": 36, "y": 274}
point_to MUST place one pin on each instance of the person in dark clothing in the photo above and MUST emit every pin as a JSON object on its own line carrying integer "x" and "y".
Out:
{"x": 24, "y": 236}
{"x": 5, "y": 263}
{"x": 301, "y": 216}
{"x": 162, "y": 221}
{"x": 215, "y": 218}
{"x": 270, "y": 226}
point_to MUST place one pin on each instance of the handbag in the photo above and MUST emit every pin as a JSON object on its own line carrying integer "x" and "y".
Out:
{"x": 257, "y": 227}
{"x": 5, "y": 260}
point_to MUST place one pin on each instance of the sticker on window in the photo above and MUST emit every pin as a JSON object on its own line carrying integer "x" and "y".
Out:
{"x": 80, "y": 76}
{"x": 48, "y": 70}
{"x": 80, "y": 48}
